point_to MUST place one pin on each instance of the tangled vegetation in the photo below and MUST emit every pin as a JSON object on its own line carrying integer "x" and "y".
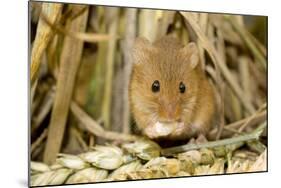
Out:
{"x": 81, "y": 127}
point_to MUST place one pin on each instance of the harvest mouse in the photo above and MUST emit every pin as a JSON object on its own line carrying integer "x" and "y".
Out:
{"x": 170, "y": 95}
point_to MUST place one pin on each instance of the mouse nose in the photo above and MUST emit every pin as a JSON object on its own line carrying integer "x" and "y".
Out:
{"x": 169, "y": 113}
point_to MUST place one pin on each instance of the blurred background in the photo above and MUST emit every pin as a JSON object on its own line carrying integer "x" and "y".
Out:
{"x": 80, "y": 70}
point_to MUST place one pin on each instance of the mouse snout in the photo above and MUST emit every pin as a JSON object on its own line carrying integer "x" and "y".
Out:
{"x": 169, "y": 112}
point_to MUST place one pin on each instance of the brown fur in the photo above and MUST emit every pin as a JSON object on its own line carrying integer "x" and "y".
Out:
{"x": 169, "y": 62}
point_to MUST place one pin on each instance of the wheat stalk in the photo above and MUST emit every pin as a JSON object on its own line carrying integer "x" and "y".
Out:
{"x": 141, "y": 160}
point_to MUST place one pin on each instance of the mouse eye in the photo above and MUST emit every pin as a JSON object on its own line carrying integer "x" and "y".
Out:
{"x": 155, "y": 86}
{"x": 182, "y": 87}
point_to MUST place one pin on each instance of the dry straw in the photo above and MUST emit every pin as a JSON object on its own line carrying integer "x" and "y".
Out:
{"x": 80, "y": 72}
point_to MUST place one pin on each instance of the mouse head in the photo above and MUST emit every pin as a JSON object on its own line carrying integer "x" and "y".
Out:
{"x": 164, "y": 84}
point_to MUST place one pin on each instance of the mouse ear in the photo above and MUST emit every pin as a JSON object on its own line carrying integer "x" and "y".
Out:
{"x": 141, "y": 50}
{"x": 190, "y": 51}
